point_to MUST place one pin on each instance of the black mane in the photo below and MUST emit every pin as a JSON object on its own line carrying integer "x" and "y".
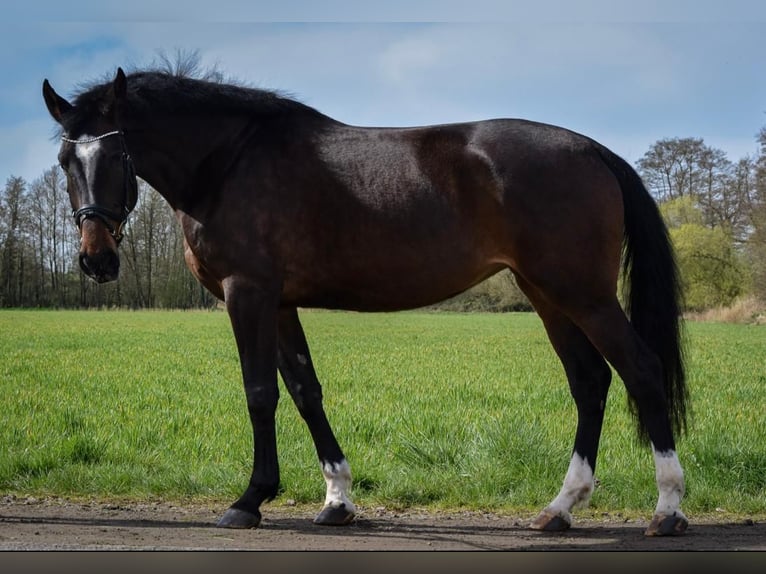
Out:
{"x": 159, "y": 91}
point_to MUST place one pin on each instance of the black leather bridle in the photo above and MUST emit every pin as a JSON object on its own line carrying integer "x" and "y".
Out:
{"x": 130, "y": 192}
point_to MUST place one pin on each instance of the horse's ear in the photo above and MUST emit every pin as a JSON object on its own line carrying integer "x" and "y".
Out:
{"x": 120, "y": 85}
{"x": 57, "y": 106}
{"x": 115, "y": 95}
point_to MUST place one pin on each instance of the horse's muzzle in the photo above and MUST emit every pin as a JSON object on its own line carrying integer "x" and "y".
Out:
{"x": 102, "y": 267}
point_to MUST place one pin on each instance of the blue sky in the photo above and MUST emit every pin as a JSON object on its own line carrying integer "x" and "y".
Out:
{"x": 625, "y": 75}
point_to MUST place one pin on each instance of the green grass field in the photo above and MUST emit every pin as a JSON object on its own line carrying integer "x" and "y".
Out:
{"x": 433, "y": 410}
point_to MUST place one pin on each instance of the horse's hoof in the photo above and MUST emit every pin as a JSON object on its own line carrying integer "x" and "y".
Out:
{"x": 334, "y": 516}
{"x": 549, "y": 522}
{"x": 236, "y": 518}
{"x": 663, "y": 525}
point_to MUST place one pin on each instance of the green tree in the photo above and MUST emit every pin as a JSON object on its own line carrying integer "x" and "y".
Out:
{"x": 681, "y": 211}
{"x": 712, "y": 270}
{"x": 498, "y": 293}
{"x": 710, "y": 267}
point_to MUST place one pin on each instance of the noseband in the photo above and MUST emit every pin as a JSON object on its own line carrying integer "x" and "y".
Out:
{"x": 130, "y": 192}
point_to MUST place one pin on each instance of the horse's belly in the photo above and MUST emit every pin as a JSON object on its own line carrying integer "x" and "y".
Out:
{"x": 385, "y": 289}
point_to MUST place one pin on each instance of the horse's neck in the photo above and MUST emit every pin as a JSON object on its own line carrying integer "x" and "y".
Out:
{"x": 170, "y": 160}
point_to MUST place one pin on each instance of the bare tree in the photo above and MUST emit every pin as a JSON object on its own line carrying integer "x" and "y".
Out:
{"x": 671, "y": 166}
{"x": 757, "y": 240}
{"x": 13, "y": 207}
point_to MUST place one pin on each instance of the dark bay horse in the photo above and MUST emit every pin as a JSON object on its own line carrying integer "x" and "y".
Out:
{"x": 283, "y": 207}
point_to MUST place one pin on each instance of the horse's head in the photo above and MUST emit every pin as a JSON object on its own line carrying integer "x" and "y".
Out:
{"x": 101, "y": 181}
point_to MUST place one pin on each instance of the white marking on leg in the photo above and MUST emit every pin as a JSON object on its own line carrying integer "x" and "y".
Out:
{"x": 576, "y": 490}
{"x": 338, "y": 478}
{"x": 670, "y": 482}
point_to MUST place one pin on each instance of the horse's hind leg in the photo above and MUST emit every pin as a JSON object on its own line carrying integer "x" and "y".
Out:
{"x": 640, "y": 369}
{"x": 589, "y": 377}
{"x": 298, "y": 373}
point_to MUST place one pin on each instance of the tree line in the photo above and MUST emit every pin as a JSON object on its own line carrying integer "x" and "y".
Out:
{"x": 715, "y": 209}
{"x": 39, "y": 247}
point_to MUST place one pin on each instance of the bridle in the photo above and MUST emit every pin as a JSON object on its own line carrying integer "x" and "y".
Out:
{"x": 130, "y": 191}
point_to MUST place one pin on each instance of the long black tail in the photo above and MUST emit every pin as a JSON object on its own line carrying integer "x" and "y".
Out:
{"x": 653, "y": 297}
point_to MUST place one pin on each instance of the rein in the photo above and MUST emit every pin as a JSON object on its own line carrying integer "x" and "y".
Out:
{"x": 130, "y": 191}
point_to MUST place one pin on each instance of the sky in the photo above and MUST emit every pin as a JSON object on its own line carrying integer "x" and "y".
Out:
{"x": 622, "y": 74}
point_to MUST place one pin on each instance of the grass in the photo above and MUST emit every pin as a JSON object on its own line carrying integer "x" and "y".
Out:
{"x": 433, "y": 410}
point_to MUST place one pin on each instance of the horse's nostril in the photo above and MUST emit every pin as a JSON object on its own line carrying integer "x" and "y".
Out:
{"x": 102, "y": 267}
{"x": 84, "y": 265}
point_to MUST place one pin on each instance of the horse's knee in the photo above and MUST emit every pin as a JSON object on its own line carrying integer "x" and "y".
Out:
{"x": 261, "y": 401}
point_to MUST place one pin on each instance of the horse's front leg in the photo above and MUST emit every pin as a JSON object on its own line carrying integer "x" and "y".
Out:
{"x": 253, "y": 314}
{"x": 300, "y": 379}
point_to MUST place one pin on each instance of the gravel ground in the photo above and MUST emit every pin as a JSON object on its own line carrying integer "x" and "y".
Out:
{"x": 56, "y": 524}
